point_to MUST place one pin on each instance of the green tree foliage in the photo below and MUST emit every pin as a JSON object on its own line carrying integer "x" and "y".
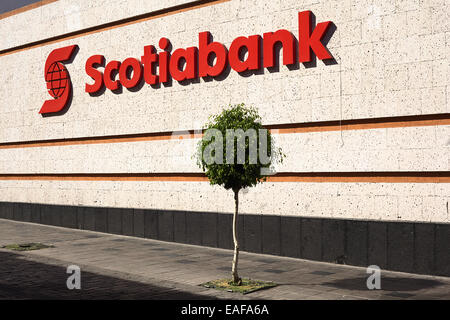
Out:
{"x": 219, "y": 157}
{"x": 236, "y": 175}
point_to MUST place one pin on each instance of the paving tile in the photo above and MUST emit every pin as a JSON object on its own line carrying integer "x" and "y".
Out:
{"x": 322, "y": 273}
{"x": 264, "y": 260}
{"x": 274, "y": 271}
{"x": 400, "y": 294}
{"x": 185, "y": 261}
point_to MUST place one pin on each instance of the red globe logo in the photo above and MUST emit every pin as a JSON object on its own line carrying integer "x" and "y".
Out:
{"x": 57, "y": 79}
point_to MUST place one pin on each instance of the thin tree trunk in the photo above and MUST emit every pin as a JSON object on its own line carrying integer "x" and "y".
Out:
{"x": 234, "y": 273}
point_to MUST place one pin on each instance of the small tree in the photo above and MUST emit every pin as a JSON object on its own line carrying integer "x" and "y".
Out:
{"x": 236, "y": 152}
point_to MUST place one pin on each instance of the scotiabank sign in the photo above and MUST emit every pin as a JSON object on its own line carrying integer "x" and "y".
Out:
{"x": 210, "y": 58}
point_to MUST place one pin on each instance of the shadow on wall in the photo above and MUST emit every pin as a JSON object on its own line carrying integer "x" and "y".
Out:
{"x": 399, "y": 246}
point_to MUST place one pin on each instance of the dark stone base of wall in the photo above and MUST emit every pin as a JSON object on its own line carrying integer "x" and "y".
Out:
{"x": 409, "y": 247}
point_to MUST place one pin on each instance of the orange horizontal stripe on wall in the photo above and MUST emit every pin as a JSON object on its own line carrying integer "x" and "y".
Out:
{"x": 344, "y": 177}
{"x": 336, "y": 125}
{"x": 361, "y": 177}
{"x": 368, "y": 123}
{"x": 115, "y": 24}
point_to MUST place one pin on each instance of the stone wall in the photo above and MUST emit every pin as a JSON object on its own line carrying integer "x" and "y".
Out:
{"x": 392, "y": 61}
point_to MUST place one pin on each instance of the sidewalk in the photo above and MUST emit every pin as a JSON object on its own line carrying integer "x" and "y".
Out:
{"x": 120, "y": 267}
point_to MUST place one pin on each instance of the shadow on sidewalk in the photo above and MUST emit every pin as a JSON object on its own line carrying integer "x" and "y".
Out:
{"x": 24, "y": 279}
{"x": 387, "y": 283}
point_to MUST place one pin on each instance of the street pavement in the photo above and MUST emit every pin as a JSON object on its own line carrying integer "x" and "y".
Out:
{"x": 120, "y": 267}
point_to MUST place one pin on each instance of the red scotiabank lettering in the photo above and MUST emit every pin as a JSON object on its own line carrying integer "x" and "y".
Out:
{"x": 111, "y": 67}
{"x": 307, "y": 40}
{"x": 98, "y": 60}
{"x": 210, "y": 59}
{"x": 206, "y": 49}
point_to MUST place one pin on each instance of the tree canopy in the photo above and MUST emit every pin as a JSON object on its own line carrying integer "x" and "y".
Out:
{"x": 235, "y": 130}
